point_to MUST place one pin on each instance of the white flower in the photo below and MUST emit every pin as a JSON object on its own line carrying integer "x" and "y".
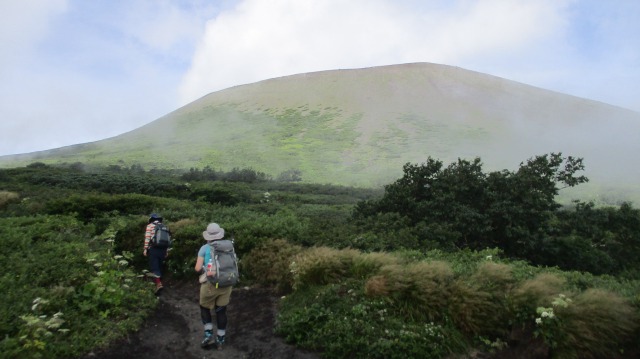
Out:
{"x": 538, "y": 321}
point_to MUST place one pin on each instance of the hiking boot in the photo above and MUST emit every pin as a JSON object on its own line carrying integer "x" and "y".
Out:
{"x": 158, "y": 288}
{"x": 207, "y": 340}
{"x": 219, "y": 341}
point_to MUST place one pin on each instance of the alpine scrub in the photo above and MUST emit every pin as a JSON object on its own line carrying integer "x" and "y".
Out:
{"x": 69, "y": 292}
{"x": 411, "y": 271}
{"x": 423, "y": 308}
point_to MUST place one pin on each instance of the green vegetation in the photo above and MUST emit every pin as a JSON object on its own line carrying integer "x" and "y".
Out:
{"x": 460, "y": 206}
{"x": 445, "y": 261}
{"x": 359, "y": 127}
{"x": 426, "y": 305}
{"x": 65, "y": 290}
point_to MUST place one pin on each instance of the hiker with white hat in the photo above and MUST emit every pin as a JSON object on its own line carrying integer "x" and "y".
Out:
{"x": 214, "y": 292}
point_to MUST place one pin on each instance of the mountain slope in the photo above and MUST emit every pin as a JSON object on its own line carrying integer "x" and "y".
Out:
{"x": 358, "y": 127}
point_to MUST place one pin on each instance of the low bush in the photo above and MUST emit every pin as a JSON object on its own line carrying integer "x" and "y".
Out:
{"x": 349, "y": 324}
{"x": 480, "y": 303}
{"x": 366, "y": 265}
{"x": 69, "y": 292}
{"x": 269, "y": 264}
{"x": 7, "y": 197}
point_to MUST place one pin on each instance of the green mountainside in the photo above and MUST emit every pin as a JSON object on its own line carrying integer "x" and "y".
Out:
{"x": 358, "y": 127}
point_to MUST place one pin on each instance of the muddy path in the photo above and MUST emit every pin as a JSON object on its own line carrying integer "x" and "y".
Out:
{"x": 174, "y": 330}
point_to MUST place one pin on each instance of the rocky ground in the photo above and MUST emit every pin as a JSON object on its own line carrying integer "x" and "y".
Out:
{"x": 174, "y": 330}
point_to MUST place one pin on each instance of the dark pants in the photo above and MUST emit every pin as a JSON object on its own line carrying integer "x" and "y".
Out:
{"x": 207, "y": 318}
{"x": 156, "y": 259}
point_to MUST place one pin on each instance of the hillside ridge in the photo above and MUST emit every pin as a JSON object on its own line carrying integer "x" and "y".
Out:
{"x": 359, "y": 126}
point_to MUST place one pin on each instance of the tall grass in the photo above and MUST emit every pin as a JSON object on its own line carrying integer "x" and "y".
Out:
{"x": 477, "y": 303}
{"x": 483, "y": 302}
{"x": 420, "y": 290}
{"x": 321, "y": 265}
{"x": 533, "y": 293}
{"x": 593, "y": 324}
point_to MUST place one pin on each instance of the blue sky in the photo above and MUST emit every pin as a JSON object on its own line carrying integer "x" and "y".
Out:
{"x": 76, "y": 71}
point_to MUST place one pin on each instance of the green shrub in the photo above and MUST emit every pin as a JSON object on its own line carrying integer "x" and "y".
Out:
{"x": 269, "y": 264}
{"x": 252, "y": 228}
{"x": 7, "y": 198}
{"x": 64, "y": 287}
{"x": 349, "y": 324}
{"x": 366, "y": 265}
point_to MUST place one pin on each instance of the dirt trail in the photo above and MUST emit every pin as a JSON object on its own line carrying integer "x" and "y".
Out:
{"x": 174, "y": 330}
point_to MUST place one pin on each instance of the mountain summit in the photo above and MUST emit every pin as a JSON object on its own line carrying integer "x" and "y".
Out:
{"x": 358, "y": 127}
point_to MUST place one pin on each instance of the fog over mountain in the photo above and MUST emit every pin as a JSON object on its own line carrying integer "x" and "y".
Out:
{"x": 358, "y": 127}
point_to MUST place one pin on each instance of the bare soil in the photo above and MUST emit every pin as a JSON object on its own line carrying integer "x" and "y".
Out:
{"x": 174, "y": 330}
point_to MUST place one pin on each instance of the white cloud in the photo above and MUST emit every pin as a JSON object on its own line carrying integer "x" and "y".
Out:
{"x": 24, "y": 23}
{"x": 81, "y": 71}
{"x": 260, "y": 40}
{"x": 74, "y": 71}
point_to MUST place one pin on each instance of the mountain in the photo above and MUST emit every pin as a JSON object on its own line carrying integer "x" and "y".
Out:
{"x": 358, "y": 127}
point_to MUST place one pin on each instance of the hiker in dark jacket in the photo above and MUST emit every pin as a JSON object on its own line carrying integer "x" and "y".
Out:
{"x": 156, "y": 255}
{"x": 212, "y": 297}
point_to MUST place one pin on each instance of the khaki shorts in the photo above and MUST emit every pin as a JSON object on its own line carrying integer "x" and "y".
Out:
{"x": 211, "y": 296}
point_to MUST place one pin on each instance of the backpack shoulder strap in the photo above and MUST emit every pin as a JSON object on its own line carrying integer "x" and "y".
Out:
{"x": 207, "y": 255}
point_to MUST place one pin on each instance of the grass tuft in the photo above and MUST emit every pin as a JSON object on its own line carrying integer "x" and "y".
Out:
{"x": 270, "y": 263}
{"x": 321, "y": 265}
{"x": 420, "y": 289}
{"x": 594, "y": 324}
{"x": 536, "y": 292}
{"x": 477, "y": 303}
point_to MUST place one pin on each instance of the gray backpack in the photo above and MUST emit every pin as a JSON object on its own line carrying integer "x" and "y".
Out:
{"x": 161, "y": 236}
{"x": 223, "y": 256}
